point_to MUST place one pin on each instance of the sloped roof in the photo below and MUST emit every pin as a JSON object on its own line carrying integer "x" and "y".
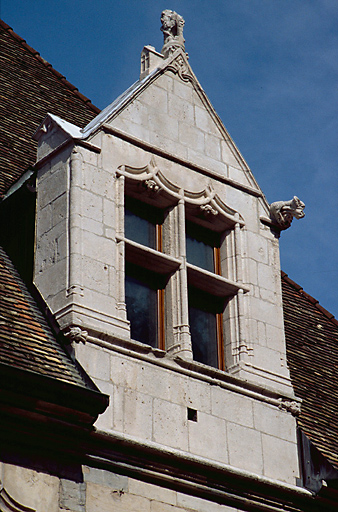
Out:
{"x": 30, "y": 88}
{"x": 26, "y": 340}
{"x": 312, "y": 351}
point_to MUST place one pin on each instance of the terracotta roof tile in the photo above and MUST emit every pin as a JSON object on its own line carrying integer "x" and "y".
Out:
{"x": 26, "y": 340}
{"x": 312, "y": 350}
{"x": 30, "y": 88}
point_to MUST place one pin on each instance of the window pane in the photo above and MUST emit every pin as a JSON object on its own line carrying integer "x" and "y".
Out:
{"x": 139, "y": 229}
{"x": 200, "y": 243}
{"x": 203, "y": 331}
{"x": 200, "y": 254}
{"x": 140, "y": 222}
{"x": 203, "y": 309}
{"x": 141, "y": 302}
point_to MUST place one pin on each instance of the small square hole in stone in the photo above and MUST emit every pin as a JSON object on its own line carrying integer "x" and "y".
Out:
{"x": 192, "y": 414}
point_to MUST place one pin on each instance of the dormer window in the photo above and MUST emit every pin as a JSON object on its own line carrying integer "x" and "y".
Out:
{"x": 176, "y": 255}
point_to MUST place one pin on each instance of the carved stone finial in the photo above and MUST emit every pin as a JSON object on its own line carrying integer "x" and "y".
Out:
{"x": 172, "y": 28}
{"x": 282, "y": 212}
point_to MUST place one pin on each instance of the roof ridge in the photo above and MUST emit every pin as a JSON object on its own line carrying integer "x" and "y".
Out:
{"x": 309, "y": 298}
{"x": 49, "y": 66}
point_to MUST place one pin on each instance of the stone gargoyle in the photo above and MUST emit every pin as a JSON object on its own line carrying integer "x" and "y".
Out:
{"x": 283, "y": 212}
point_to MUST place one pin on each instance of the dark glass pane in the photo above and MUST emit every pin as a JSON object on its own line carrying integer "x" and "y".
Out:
{"x": 203, "y": 336}
{"x": 200, "y": 243}
{"x": 200, "y": 254}
{"x": 203, "y": 308}
{"x": 139, "y": 229}
{"x": 140, "y": 222}
{"x": 141, "y": 302}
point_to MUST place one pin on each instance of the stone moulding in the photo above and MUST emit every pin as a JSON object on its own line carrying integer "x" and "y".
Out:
{"x": 208, "y": 203}
{"x": 9, "y": 504}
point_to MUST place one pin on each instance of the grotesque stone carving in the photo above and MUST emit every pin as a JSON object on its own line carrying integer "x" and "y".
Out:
{"x": 290, "y": 406}
{"x": 172, "y": 28}
{"x": 207, "y": 210}
{"x": 76, "y": 334}
{"x": 152, "y": 187}
{"x": 282, "y": 212}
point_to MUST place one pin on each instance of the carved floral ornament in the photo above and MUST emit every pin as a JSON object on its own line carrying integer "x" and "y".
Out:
{"x": 205, "y": 203}
{"x": 283, "y": 212}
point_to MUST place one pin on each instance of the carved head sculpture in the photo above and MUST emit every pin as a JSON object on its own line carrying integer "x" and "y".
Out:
{"x": 172, "y": 28}
{"x": 282, "y": 212}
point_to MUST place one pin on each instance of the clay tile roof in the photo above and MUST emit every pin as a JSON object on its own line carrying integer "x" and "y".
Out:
{"x": 26, "y": 340}
{"x": 312, "y": 351}
{"x": 30, "y": 88}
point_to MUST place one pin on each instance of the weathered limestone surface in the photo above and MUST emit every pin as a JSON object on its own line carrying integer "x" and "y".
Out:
{"x": 174, "y": 136}
{"x": 100, "y": 491}
{"x": 150, "y": 402}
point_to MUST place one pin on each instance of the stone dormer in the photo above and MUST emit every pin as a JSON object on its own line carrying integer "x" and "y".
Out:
{"x": 156, "y": 251}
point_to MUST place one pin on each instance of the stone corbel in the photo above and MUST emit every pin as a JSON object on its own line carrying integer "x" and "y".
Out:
{"x": 152, "y": 187}
{"x": 77, "y": 335}
{"x": 289, "y": 406}
{"x": 208, "y": 210}
{"x": 283, "y": 212}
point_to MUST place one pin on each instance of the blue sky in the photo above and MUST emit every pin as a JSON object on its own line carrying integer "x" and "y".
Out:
{"x": 270, "y": 69}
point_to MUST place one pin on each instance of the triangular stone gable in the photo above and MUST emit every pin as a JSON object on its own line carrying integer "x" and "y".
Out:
{"x": 169, "y": 109}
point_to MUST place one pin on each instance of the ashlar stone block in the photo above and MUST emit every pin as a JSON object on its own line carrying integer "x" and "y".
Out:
{"x": 138, "y": 414}
{"x": 53, "y": 186}
{"x": 95, "y": 275}
{"x": 200, "y": 505}
{"x": 31, "y": 488}
{"x": 232, "y": 406}
{"x": 153, "y": 492}
{"x": 213, "y": 146}
{"x": 95, "y": 360}
{"x": 101, "y": 498}
{"x": 280, "y": 459}
{"x": 72, "y": 495}
{"x": 155, "y": 97}
{"x": 273, "y": 421}
{"x": 92, "y": 205}
{"x": 207, "y": 437}
{"x": 170, "y": 424}
{"x": 245, "y": 448}
{"x": 180, "y": 109}
{"x": 183, "y": 90}
{"x": 191, "y": 136}
{"x": 163, "y": 125}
